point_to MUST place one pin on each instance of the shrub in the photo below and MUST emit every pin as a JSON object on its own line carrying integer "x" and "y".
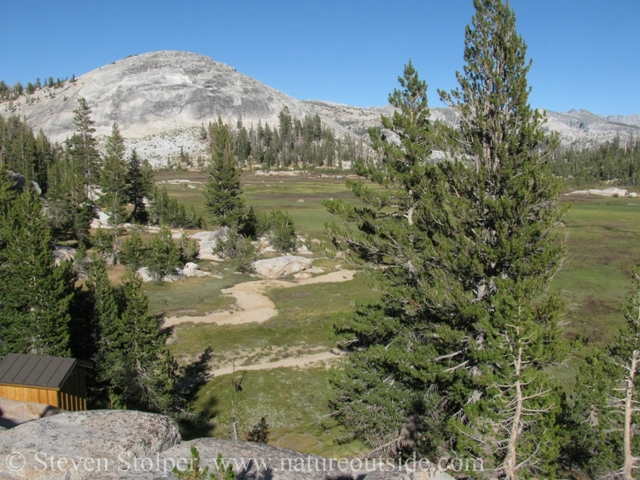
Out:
{"x": 259, "y": 433}
{"x": 133, "y": 252}
{"x": 240, "y": 249}
{"x": 283, "y": 232}
{"x": 188, "y": 249}
{"x": 163, "y": 258}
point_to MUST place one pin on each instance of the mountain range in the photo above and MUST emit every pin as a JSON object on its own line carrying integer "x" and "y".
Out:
{"x": 160, "y": 99}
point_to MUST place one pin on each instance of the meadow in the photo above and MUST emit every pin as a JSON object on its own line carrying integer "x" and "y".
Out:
{"x": 603, "y": 244}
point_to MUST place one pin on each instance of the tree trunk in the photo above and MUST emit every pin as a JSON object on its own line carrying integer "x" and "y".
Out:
{"x": 511, "y": 459}
{"x": 629, "y": 459}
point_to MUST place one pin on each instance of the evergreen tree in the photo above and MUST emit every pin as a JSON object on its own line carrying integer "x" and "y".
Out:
{"x": 106, "y": 329}
{"x": 134, "y": 252}
{"x": 461, "y": 343}
{"x": 163, "y": 257}
{"x": 71, "y": 178}
{"x": 223, "y": 192}
{"x": 140, "y": 186}
{"x": 113, "y": 182}
{"x": 35, "y": 295}
{"x": 149, "y": 372}
{"x": 83, "y": 146}
{"x": 283, "y": 232}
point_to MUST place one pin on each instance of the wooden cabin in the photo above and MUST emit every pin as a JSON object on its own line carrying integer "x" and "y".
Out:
{"x": 54, "y": 381}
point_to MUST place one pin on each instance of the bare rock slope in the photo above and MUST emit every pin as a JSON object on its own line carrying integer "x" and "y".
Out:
{"x": 159, "y": 100}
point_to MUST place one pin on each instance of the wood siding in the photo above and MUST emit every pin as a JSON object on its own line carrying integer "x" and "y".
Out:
{"x": 71, "y": 396}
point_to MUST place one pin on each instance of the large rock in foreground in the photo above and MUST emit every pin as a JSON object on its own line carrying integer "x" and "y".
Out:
{"x": 130, "y": 445}
{"x": 280, "y": 267}
{"x": 254, "y": 461}
{"x": 85, "y": 445}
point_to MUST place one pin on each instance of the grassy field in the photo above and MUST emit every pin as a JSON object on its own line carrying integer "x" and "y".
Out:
{"x": 603, "y": 244}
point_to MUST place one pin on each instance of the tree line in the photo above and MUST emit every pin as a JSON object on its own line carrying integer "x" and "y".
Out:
{"x": 616, "y": 162}
{"x": 298, "y": 143}
{"x": 15, "y": 91}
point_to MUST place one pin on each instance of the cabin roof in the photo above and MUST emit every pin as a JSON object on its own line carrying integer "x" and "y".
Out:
{"x": 37, "y": 370}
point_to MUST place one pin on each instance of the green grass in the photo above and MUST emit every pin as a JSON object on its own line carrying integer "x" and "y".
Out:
{"x": 265, "y": 193}
{"x": 294, "y": 402}
{"x": 603, "y": 244}
{"x": 192, "y": 296}
{"x": 304, "y": 319}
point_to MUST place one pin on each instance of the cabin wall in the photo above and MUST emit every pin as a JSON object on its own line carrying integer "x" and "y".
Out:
{"x": 30, "y": 394}
{"x": 72, "y": 396}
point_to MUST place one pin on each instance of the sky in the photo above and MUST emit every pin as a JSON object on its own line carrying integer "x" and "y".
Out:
{"x": 586, "y": 53}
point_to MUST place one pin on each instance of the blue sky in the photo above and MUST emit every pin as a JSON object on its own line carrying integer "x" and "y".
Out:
{"x": 586, "y": 53}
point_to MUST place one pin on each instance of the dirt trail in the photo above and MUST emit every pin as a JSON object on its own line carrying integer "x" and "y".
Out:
{"x": 252, "y": 305}
{"x": 304, "y": 361}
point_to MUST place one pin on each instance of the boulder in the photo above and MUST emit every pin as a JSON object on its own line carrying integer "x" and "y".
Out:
{"x": 208, "y": 241}
{"x": 63, "y": 253}
{"x": 144, "y": 274}
{"x": 303, "y": 250}
{"x": 193, "y": 270}
{"x": 607, "y": 192}
{"x": 280, "y": 267}
{"x": 78, "y": 445}
{"x": 147, "y": 277}
{"x": 121, "y": 444}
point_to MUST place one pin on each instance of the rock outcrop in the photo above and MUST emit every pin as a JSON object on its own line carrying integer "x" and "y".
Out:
{"x": 114, "y": 444}
{"x": 159, "y": 100}
{"x": 14, "y": 413}
{"x": 79, "y": 443}
{"x": 606, "y": 192}
{"x": 208, "y": 240}
{"x": 280, "y": 267}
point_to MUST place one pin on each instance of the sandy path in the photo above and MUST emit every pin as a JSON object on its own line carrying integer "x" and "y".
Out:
{"x": 304, "y": 361}
{"x": 252, "y": 305}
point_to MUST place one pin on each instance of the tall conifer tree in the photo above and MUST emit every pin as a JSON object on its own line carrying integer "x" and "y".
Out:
{"x": 461, "y": 343}
{"x": 113, "y": 182}
{"x": 139, "y": 186}
{"x": 223, "y": 192}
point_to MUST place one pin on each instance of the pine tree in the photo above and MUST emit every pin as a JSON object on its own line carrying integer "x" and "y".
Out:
{"x": 149, "y": 370}
{"x": 106, "y": 329}
{"x": 461, "y": 343}
{"x": 506, "y": 203}
{"x": 134, "y": 252}
{"x": 83, "y": 146}
{"x": 382, "y": 384}
{"x": 223, "y": 192}
{"x": 113, "y": 182}
{"x": 35, "y": 295}
{"x": 140, "y": 186}
{"x": 163, "y": 256}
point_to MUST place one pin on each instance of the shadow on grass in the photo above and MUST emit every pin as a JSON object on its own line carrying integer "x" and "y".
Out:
{"x": 193, "y": 378}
